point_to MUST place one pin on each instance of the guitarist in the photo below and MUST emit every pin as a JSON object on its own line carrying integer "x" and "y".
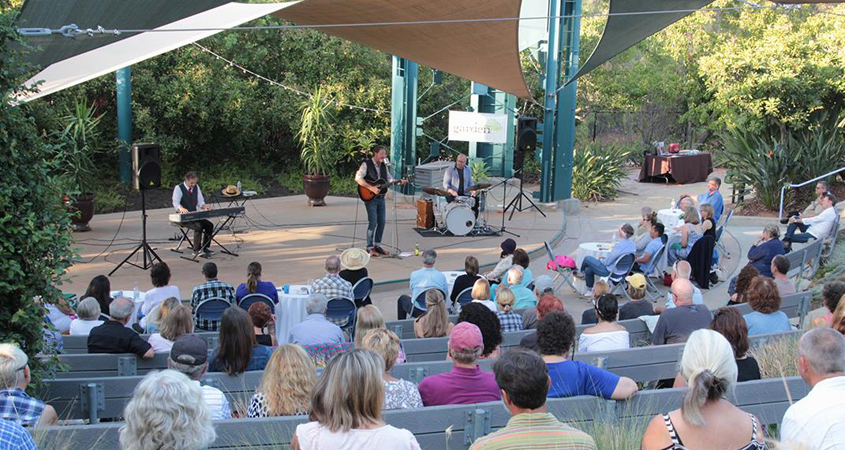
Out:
{"x": 457, "y": 181}
{"x": 371, "y": 171}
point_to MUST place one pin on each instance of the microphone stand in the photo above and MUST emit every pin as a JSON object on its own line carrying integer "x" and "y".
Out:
{"x": 504, "y": 184}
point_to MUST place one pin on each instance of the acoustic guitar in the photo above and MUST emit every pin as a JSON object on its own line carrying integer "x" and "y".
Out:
{"x": 367, "y": 195}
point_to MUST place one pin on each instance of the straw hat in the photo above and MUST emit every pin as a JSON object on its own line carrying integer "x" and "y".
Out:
{"x": 231, "y": 191}
{"x": 354, "y": 258}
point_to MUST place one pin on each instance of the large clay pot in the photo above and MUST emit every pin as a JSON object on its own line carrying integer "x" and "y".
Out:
{"x": 316, "y": 188}
{"x": 82, "y": 210}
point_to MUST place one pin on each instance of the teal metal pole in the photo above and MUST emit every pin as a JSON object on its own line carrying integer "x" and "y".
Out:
{"x": 403, "y": 117}
{"x": 124, "y": 123}
{"x": 562, "y": 179}
{"x": 550, "y": 102}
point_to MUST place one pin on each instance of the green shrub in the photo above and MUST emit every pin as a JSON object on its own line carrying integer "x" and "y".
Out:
{"x": 109, "y": 197}
{"x": 598, "y": 171}
{"x": 292, "y": 181}
{"x": 216, "y": 178}
{"x": 341, "y": 185}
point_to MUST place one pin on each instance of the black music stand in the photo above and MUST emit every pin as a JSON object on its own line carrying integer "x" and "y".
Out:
{"x": 149, "y": 256}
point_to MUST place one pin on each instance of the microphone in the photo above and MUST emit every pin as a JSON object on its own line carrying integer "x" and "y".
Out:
{"x": 387, "y": 162}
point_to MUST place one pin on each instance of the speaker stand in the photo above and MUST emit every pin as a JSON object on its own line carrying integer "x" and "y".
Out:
{"x": 149, "y": 255}
{"x": 516, "y": 203}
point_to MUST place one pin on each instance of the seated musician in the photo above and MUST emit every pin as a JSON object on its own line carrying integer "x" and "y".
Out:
{"x": 457, "y": 181}
{"x": 187, "y": 197}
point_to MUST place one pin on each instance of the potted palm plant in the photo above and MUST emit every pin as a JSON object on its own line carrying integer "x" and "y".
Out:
{"x": 77, "y": 142}
{"x": 318, "y": 155}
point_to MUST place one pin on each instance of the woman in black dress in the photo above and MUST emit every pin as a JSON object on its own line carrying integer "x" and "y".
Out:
{"x": 467, "y": 280}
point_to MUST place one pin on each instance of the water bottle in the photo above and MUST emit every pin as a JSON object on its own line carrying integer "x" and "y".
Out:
{"x": 417, "y": 250}
{"x": 239, "y": 185}
{"x": 135, "y": 293}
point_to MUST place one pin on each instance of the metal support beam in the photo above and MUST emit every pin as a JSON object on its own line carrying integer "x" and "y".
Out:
{"x": 403, "y": 118}
{"x": 124, "y": 123}
{"x": 499, "y": 157}
{"x": 551, "y": 82}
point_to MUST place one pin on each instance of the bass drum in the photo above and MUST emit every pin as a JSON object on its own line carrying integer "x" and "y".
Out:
{"x": 459, "y": 219}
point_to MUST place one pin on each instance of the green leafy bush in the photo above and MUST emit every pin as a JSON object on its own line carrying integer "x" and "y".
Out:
{"x": 598, "y": 171}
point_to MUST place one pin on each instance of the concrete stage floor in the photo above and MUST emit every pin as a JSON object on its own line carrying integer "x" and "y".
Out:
{"x": 291, "y": 241}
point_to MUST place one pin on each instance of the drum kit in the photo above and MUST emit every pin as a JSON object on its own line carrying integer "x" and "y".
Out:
{"x": 458, "y": 216}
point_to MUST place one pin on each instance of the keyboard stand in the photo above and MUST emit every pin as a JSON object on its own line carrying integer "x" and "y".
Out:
{"x": 182, "y": 240}
{"x": 212, "y": 239}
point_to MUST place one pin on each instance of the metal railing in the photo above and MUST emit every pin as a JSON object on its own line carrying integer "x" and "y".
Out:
{"x": 783, "y": 189}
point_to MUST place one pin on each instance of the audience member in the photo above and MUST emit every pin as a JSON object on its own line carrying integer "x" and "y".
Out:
{"x": 53, "y": 342}
{"x": 543, "y": 285}
{"x": 254, "y": 285}
{"x": 161, "y": 291}
{"x": 548, "y": 304}
{"x": 682, "y": 270}
{"x": 189, "y": 355}
{"x": 818, "y": 420}
{"x": 15, "y": 437}
{"x": 212, "y": 288}
{"x": 316, "y": 329}
{"x": 237, "y": 352}
{"x": 831, "y": 295}
{"x": 114, "y": 337}
{"x": 421, "y": 280}
{"x": 435, "y": 323}
{"x": 691, "y": 232}
{"x": 739, "y": 293}
{"x": 642, "y": 235}
{"x": 15, "y": 404}
{"x": 88, "y": 317}
{"x": 815, "y": 227}
{"x": 676, "y": 324}
{"x": 398, "y": 394}
{"x": 814, "y": 208}
{"x": 508, "y": 246}
{"x": 510, "y": 320}
{"x": 159, "y": 313}
{"x": 524, "y": 297}
{"x": 838, "y": 321}
{"x": 685, "y": 201}
{"x": 766, "y": 316}
{"x": 637, "y": 306}
{"x": 167, "y": 412}
{"x": 177, "y": 323}
{"x": 646, "y": 259}
{"x": 100, "y": 288}
{"x": 286, "y": 384}
{"x": 60, "y": 313}
{"x": 592, "y": 267}
{"x": 708, "y": 221}
{"x": 589, "y": 315}
{"x": 481, "y": 294}
{"x": 354, "y": 263}
{"x": 706, "y": 418}
{"x": 467, "y": 280}
{"x": 555, "y": 336}
{"x": 521, "y": 259}
{"x": 713, "y": 197}
{"x": 488, "y": 323}
{"x": 263, "y": 324}
{"x": 346, "y": 407}
{"x": 524, "y": 380}
{"x": 729, "y": 323}
{"x": 369, "y": 318}
{"x": 607, "y": 335}
{"x": 779, "y": 268}
{"x": 332, "y": 285}
{"x": 765, "y": 248}
{"x": 466, "y": 383}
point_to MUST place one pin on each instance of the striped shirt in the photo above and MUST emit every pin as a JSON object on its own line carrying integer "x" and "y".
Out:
{"x": 535, "y": 431}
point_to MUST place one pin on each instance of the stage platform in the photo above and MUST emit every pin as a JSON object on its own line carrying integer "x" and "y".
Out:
{"x": 291, "y": 241}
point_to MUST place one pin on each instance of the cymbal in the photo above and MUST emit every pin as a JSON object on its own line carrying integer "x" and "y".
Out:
{"x": 435, "y": 191}
{"x": 480, "y": 186}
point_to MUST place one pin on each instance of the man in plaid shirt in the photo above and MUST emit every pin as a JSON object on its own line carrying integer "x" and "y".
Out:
{"x": 212, "y": 288}
{"x": 15, "y": 404}
{"x": 332, "y": 285}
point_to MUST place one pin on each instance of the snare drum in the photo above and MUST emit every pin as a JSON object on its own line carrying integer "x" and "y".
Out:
{"x": 459, "y": 218}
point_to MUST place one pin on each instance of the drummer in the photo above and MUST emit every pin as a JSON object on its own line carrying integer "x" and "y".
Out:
{"x": 457, "y": 181}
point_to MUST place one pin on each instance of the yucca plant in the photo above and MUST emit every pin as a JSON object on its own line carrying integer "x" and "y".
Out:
{"x": 479, "y": 170}
{"x": 315, "y": 133}
{"x": 598, "y": 171}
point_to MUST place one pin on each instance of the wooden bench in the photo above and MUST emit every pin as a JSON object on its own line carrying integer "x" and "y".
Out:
{"x": 73, "y": 345}
{"x": 767, "y": 399}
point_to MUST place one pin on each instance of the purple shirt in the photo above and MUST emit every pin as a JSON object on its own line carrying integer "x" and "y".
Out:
{"x": 461, "y": 386}
{"x": 264, "y": 287}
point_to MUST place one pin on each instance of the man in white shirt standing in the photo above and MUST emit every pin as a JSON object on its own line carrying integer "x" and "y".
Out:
{"x": 187, "y": 197}
{"x": 189, "y": 355}
{"x": 815, "y": 227}
{"x": 818, "y": 420}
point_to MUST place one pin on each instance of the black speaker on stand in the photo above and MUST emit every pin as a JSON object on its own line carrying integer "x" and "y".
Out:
{"x": 146, "y": 174}
{"x": 526, "y": 141}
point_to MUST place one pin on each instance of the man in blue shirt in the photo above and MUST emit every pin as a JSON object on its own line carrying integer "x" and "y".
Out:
{"x": 592, "y": 267}
{"x": 646, "y": 260}
{"x": 316, "y": 329}
{"x": 713, "y": 197}
{"x": 457, "y": 181}
{"x": 421, "y": 280}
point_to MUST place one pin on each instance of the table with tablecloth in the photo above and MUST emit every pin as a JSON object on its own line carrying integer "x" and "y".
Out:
{"x": 597, "y": 250}
{"x": 683, "y": 168}
{"x": 290, "y": 310}
{"x": 670, "y": 218}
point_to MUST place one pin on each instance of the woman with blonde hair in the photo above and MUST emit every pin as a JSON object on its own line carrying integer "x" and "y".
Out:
{"x": 286, "y": 384}
{"x": 838, "y": 320}
{"x": 370, "y": 318}
{"x": 435, "y": 322}
{"x": 510, "y": 320}
{"x": 158, "y": 314}
{"x": 346, "y": 408}
{"x": 481, "y": 293}
{"x": 600, "y": 289}
{"x": 708, "y": 223}
{"x": 167, "y": 412}
{"x": 179, "y": 321}
{"x": 706, "y": 419}
{"x": 398, "y": 394}
{"x": 691, "y": 232}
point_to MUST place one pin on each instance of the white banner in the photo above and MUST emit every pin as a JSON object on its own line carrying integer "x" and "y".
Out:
{"x": 478, "y": 127}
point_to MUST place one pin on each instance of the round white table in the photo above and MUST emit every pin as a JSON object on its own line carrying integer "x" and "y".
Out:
{"x": 290, "y": 310}
{"x": 597, "y": 250}
{"x": 138, "y": 304}
{"x": 670, "y": 218}
{"x": 451, "y": 276}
